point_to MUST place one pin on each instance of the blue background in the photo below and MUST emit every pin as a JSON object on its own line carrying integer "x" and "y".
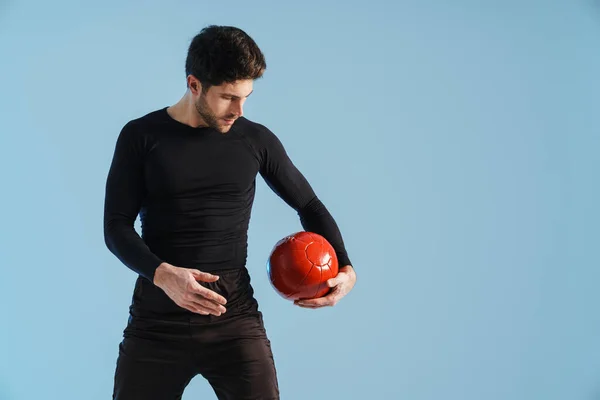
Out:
{"x": 455, "y": 143}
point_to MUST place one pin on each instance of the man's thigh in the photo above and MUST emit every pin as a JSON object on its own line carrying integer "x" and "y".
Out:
{"x": 242, "y": 370}
{"x": 234, "y": 354}
{"x": 151, "y": 369}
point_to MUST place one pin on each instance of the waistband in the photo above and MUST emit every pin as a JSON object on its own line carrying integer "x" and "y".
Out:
{"x": 151, "y": 303}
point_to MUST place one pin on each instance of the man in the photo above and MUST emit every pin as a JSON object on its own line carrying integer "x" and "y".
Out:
{"x": 189, "y": 171}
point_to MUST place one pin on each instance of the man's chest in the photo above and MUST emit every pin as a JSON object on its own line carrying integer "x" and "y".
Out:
{"x": 191, "y": 167}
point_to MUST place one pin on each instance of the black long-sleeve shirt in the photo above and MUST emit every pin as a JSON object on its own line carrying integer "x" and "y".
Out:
{"x": 194, "y": 189}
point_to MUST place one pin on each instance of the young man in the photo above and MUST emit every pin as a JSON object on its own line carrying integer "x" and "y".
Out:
{"x": 189, "y": 171}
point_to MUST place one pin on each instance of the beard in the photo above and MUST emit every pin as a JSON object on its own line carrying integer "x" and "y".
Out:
{"x": 207, "y": 114}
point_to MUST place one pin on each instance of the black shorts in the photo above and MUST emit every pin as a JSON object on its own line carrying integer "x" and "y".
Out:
{"x": 159, "y": 356}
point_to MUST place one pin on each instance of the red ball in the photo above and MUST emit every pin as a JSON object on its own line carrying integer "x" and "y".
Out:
{"x": 300, "y": 265}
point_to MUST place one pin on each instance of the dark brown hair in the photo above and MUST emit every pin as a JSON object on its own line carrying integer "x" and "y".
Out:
{"x": 220, "y": 54}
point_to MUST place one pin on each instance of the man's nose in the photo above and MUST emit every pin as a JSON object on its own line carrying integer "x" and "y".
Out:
{"x": 238, "y": 109}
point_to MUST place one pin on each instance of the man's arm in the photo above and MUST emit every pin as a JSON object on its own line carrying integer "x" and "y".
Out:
{"x": 125, "y": 191}
{"x": 282, "y": 176}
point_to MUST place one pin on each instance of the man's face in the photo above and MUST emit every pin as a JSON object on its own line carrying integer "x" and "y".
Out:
{"x": 222, "y": 105}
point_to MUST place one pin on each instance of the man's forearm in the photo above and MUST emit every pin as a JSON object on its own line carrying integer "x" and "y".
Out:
{"x": 125, "y": 243}
{"x": 315, "y": 217}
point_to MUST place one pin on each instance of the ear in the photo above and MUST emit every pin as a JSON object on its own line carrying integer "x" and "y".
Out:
{"x": 194, "y": 85}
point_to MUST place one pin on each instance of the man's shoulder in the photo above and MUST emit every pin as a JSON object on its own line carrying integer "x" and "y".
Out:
{"x": 137, "y": 130}
{"x": 254, "y": 130}
{"x": 148, "y": 120}
{"x": 249, "y": 125}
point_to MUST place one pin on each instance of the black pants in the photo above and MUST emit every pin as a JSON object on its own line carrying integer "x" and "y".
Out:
{"x": 159, "y": 356}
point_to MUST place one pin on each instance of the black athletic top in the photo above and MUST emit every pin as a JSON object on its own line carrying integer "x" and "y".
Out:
{"x": 194, "y": 189}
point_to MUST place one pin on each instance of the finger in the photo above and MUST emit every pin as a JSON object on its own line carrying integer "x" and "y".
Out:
{"x": 332, "y": 282}
{"x": 318, "y": 302}
{"x": 305, "y": 306}
{"x": 209, "y": 305}
{"x": 193, "y": 307}
{"x": 210, "y": 295}
{"x": 338, "y": 279}
{"x": 204, "y": 276}
{"x": 202, "y": 306}
{"x": 330, "y": 299}
{"x": 196, "y": 309}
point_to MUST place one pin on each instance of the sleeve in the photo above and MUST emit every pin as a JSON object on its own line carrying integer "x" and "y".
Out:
{"x": 125, "y": 190}
{"x": 282, "y": 176}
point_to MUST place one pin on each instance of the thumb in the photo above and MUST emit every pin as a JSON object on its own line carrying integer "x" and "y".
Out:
{"x": 333, "y": 282}
{"x": 204, "y": 276}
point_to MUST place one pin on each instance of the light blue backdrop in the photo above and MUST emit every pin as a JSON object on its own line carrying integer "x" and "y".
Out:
{"x": 455, "y": 142}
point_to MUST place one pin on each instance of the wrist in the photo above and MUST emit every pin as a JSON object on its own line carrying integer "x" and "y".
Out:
{"x": 349, "y": 269}
{"x": 161, "y": 272}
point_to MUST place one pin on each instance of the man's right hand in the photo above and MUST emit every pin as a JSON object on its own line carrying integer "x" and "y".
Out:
{"x": 181, "y": 285}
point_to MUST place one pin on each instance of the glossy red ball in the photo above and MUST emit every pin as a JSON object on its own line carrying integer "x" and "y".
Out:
{"x": 300, "y": 265}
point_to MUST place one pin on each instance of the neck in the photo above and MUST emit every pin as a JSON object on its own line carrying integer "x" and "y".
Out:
{"x": 185, "y": 112}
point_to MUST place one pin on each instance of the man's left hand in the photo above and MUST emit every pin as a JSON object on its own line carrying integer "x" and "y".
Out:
{"x": 341, "y": 285}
